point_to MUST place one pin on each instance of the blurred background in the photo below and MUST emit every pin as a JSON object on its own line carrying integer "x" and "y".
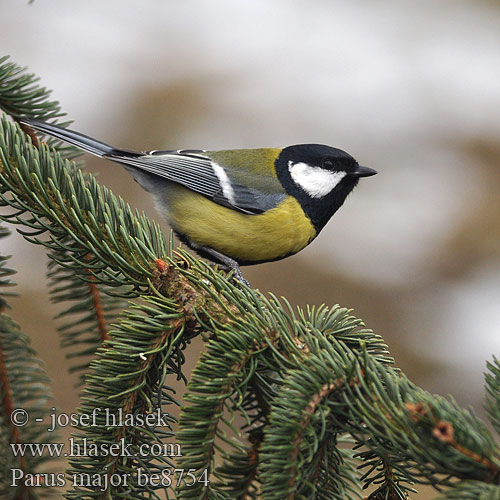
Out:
{"x": 408, "y": 88}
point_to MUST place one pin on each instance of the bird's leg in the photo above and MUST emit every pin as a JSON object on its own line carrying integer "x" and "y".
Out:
{"x": 226, "y": 261}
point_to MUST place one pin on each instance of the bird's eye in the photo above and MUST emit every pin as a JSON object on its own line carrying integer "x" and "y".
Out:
{"x": 327, "y": 164}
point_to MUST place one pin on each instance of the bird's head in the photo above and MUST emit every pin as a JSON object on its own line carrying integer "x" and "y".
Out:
{"x": 319, "y": 177}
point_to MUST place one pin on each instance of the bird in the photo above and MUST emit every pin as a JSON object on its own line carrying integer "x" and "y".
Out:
{"x": 236, "y": 207}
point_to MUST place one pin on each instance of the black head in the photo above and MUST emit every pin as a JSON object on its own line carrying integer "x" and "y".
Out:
{"x": 319, "y": 177}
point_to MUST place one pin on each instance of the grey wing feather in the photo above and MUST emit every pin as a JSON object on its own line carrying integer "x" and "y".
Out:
{"x": 194, "y": 170}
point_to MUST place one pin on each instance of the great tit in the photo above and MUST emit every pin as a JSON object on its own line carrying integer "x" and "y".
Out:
{"x": 241, "y": 206}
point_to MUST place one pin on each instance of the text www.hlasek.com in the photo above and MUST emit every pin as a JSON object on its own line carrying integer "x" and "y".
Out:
{"x": 83, "y": 448}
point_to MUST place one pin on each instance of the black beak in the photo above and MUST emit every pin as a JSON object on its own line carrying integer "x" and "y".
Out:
{"x": 363, "y": 171}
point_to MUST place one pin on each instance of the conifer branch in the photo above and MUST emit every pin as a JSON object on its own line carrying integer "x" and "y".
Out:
{"x": 301, "y": 380}
{"x": 21, "y": 95}
{"x": 390, "y": 484}
{"x": 83, "y": 324}
{"x": 23, "y": 385}
{"x": 471, "y": 490}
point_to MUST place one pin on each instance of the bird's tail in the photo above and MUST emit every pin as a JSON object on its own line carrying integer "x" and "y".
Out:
{"x": 75, "y": 138}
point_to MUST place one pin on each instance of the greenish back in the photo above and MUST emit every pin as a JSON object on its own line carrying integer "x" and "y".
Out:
{"x": 250, "y": 167}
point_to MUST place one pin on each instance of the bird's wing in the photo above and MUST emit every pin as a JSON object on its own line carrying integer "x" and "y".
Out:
{"x": 221, "y": 176}
{"x": 195, "y": 170}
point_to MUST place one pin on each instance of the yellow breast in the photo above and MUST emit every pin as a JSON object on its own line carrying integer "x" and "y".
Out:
{"x": 272, "y": 235}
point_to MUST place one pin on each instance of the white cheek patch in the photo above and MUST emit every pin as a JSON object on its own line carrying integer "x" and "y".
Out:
{"x": 225, "y": 183}
{"x": 315, "y": 181}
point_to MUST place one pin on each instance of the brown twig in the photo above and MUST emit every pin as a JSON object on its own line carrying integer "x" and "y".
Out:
{"x": 97, "y": 303}
{"x": 416, "y": 411}
{"x": 131, "y": 399}
{"x": 235, "y": 369}
{"x": 253, "y": 459}
{"x": 444, "y": 431}
{"x": 31, "y": 133}
{"x": 325, "y": 391}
